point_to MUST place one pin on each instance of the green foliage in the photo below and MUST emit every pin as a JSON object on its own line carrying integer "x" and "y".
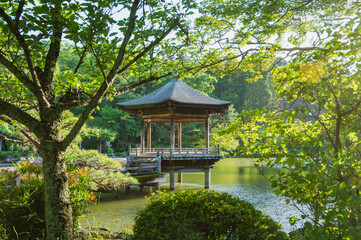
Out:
{"x": 118, "y": 46}
{"x": 22, "y": 206}
{"x": 102, "y": 172}
{"x": 15, "y": 154}
{"x": 203, "y": 215}
{"x": 202, "y": 82}
{"x": 310, "y": 171}
{"x": 217, "y": 124}
{"x": 244, "y": 94}
{"x": 16, "y": 141}
{"x": 314, "y": 142}
{"x": 22, "y": 213}
{"x": 122, "y": 124}
{"x": 97, "y": 137}
{"x": 100, "y": 134}
{"x": 313, "y": 139}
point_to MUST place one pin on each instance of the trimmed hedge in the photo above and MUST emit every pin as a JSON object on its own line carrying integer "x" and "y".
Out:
{"x": 203, "y": 215}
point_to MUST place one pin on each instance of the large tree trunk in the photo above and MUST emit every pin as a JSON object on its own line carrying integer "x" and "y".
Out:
{"x": 58, "y": 212}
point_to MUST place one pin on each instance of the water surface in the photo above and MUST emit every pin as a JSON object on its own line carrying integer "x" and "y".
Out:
{"x": 236, "y": 176}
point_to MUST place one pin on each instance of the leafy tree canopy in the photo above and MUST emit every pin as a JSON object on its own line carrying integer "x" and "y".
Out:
{"x": 312, "y": 139}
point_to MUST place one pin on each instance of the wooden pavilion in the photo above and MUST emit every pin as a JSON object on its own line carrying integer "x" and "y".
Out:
{"x": 176, "y": 103}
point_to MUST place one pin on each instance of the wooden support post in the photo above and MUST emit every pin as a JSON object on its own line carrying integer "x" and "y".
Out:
{"x": 171, "y": 180}
{"x": 157, "y": 186}
{"x": 206, "y": 143}
{"x": 179, "y": 135}
{"x": 159, "y": 162}
{"x": 142, "y": 136}
{"x": 207, "y": 178}
{"x": 172, "y": 139}
{"x": 180, "y": 177}
{"x": 149, "y": 135}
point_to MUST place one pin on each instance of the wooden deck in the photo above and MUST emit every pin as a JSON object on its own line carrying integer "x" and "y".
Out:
{"x": 172, "y": 160}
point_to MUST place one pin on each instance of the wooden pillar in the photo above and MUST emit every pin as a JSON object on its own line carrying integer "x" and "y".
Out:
{"x": 149, "y": 135}
{"x": 207, "y": 178}
{"x": 172, "y": 138}
{"x": 142, "y": 136}
{"x": 180, "y": 178}
{"x": 179, "y": 135}
{"x": 157, "y": 186}
{"x": 206, "y": 124}
{"x": 171, "y": 180}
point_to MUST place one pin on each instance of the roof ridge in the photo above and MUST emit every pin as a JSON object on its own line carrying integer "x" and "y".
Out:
{"x": 174, "y": 81}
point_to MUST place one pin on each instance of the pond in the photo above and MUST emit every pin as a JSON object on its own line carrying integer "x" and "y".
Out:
{"x": 236, "y": 176}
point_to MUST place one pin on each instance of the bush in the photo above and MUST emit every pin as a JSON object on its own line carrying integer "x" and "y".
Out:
{"x": 22, "y": 214}
{"x": 15, "y": 154}
{"x": 22, "y": 206}
{"x": 203, "y": 215}
{"x": 104, "y": 172}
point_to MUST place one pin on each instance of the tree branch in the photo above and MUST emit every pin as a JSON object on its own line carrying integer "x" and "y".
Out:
{"x": 354, "y": 108}
{"x": 135, "y": 85}
{"x": 10, "y": 139}
{"x": 298, "y": 49}
{"x": 18, "y": 74}
{"x": 21, "y": 40}
{"x": 80, "y": 60}
{"x": 98, "y": 61}
{"x": 150, "y": 46}
{"x": 107, "y": 81}
{"x": 24, "y": 131}
{"x": 20, "y": 116}
{"x": 294, "y": 10}
{"x": 127, "y": 36}
{"x": 19, "y": 11}
{"x": 54, "y": 49}
{"x": 75, "y": 104}
{"x": 70, "y": 137}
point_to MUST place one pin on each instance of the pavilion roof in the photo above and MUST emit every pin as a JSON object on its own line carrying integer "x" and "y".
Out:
{"x": 174, "y": 91}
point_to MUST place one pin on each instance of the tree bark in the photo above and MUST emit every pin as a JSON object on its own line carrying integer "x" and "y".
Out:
{"x": 58, "y": 212}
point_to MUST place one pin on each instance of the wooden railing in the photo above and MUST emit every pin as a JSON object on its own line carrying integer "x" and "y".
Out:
{"x": 176, "y": 151}
{"x": 143, "y": 166}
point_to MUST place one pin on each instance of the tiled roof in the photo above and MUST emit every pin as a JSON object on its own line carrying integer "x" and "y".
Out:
{"x": 175, "y": 91}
